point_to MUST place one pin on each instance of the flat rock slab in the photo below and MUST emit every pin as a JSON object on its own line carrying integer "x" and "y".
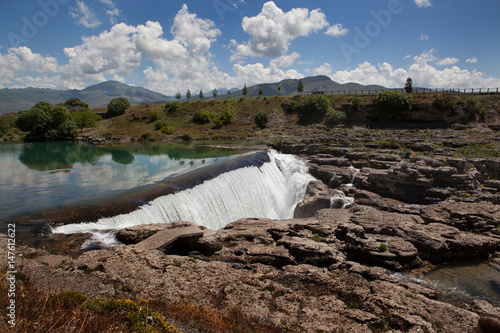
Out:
{"x": 165, "y": 237}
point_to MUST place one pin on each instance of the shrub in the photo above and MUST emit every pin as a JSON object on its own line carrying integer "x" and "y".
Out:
{"x": 473, "y": 106}
{"x": 334, "y": 117}
{"x": 85, "y": 118}
{"x": 382, "y": 248}
{"x": 202, "y": 117}
{"x": 314, "y": 109}
{"x": 278, "y": 143}
{"x": 391, "y": 103}
{"x": 169, "y": 130}
{"x": 145, "y": 136}
{"x": 477, "y": 150}
{"x": 292, "y": 107}
{"x": 225, "y": 117}
{"x": 356, "y": 103}
{"x": 261, "y": 119}
{"x": 46, "y": 123}
{"x": 174, "y": 109}
{"x": 444, "y": 103}
{"x": 187, "y": 136}
{"x": 117, "y": 107}
{"x": 159, "y": 125}
{"x": 7, "y": 123}
{"x": 153, "y": 116}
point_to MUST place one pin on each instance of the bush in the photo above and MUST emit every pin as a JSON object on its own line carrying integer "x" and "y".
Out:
{"x": 391, "y": 103}
{"x": 7, "y": 123}
{"x": 225, "y": 117}
{"x": 159, "y": 125}
{"x": 278, "y": 143}
{"x": 174, "y": 109}
{"x": 202, "y": 117}
{"x": 169, "y": 130}
{"x": 46, "y": 123}
{"x": 292, "y": 107}
{"x": 382, "y": 248}
{"x": 334, "y": 117}
{"x": 117, "y": 107}
{"x": 84, "y": 118}
{"x": 145, "y": 136}
{"x": 261, "y": 119}
{"x": 187, "y": 136}
{"x": 153, "y": 116}
{"x": 473, "y": 106}
{"x": 444, "y": 103}
{"x": 477, "y": 150}
{"x": 356, "y": 103}
{"x": 314, "y": 109}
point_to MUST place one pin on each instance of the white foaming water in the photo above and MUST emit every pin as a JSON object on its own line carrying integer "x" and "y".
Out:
{"x": 269, "y": 191}
{"x": 340, "y": 201}
{"x": 354, "y": 173}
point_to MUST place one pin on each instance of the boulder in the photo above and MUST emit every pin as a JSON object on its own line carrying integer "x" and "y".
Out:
{"x": 317, "y": 197}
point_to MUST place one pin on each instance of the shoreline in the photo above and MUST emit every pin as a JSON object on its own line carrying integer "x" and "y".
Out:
{"x": 330, "y": 261}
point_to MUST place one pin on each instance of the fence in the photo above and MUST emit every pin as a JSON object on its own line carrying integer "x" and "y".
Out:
{"x": 415, "y": 91}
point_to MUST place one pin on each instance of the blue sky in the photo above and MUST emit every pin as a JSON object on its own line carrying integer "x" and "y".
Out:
{"x": 171, "y": 46}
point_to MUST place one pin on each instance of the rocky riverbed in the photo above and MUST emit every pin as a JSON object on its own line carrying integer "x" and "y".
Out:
{"x": 327, "y": 269}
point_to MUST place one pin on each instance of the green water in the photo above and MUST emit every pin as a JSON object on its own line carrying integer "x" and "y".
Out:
{"x": 39, "y": 177}
{"x": 466, "y": 280}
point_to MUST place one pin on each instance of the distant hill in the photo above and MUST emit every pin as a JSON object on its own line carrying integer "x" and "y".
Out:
{"x": 313, "y": 83}
{"x": 12, "y": 100}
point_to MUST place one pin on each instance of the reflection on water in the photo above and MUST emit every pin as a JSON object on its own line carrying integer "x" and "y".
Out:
{"x": 45, "y": 176}
{"x": 466, "y": 281}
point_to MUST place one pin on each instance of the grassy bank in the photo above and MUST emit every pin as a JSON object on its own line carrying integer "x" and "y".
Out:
{"x": 69, "y": 311}
{"x": 174, "y": 121}
{"x": 140, "y": 121}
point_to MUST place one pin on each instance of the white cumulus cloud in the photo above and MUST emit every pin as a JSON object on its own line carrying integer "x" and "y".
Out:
{"x": 325, "y": 69}
{"x": 84, "y": 15}
{"x": 447, "y": 61}
{"x": 424, "y": 37}
{"x": 21, "y": 60}
{"x": 112, "y": 11}
{"x": 337, "y": 30}
{"x": 272, "y": 30}
{"x": 111, "y": 52}
{"x": 472, "y": 60}
{"x": 423, "y": 3}
{"x": 423, "y": 73}
{"x": 285, "y": 60}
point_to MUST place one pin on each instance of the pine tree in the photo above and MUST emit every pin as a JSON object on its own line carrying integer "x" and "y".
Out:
{"x": 261, "y": 92}
{"x": 214, "y": 92}
{"x": 201, "y": 94}
{"x": 300, "y": 88}
{"x": 178, "y": 95}
{"x": 188, "y": 94}
{"x": 409, "y": 85}
{"x": 245, "y": 90}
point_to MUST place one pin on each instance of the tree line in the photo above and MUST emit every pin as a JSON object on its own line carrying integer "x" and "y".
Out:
{"x": 44, "y": 122}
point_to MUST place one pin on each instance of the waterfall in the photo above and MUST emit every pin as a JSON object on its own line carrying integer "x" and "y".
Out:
{"x": 271, "y": 190}
{"x": 354, "y": 173}
{"x": 340, "y": 200}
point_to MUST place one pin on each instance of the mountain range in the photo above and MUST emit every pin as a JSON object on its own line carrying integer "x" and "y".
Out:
{"x": 13, "y": 100}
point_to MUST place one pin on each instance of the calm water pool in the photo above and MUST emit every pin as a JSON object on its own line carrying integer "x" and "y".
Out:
{"x": 38, "y": 177}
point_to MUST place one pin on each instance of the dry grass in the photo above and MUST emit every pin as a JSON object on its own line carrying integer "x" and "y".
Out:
{"x": 39, "y": 311}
